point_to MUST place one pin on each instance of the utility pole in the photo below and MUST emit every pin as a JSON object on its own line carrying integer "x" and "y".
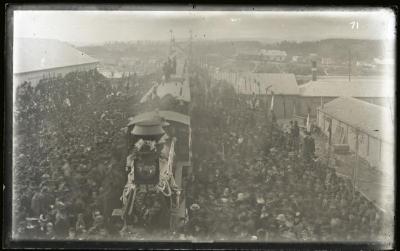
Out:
{"x": 190, "y": 49}
{"x": 171, "y": 39}
{"x": 349, "y": 65}
{"x": 355, "y": 167}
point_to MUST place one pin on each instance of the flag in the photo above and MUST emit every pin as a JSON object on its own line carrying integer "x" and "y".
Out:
{"x": 223, "y": 152}
{"x": 308, "y": 125}
{"x": 330, "y": 132}
{"x": 272, "y": 101}
{"x": 190, "y": 144}
{"x": 322, "y": 103}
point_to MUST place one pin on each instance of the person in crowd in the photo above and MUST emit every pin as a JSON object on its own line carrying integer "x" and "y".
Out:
{"x": 296, "y": 136}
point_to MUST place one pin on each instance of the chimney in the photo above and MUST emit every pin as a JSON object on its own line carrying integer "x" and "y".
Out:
{"x": 314, "y": 69}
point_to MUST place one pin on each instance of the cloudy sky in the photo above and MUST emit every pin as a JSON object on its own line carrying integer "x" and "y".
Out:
{"x": 82, "y": 27}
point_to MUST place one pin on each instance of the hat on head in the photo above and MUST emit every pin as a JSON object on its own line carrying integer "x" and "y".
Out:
{"x": 281, "y": 217}
{"x": 194, "y": 207}
{"x": 240, "y": 197}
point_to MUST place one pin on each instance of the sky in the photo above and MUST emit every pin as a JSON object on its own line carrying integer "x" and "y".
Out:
{"x": 96, "y": 27}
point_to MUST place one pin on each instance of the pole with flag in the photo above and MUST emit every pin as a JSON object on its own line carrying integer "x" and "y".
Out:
{"x": 330, "y": 132}
{"x": 308, "y": 125}
{"x": 272, "y": 102}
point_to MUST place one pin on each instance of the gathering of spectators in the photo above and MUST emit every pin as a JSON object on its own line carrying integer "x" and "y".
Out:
{"x": 251, "y": 179}
{"x": 253, "y": 183}
{"x": 69, "y": 152}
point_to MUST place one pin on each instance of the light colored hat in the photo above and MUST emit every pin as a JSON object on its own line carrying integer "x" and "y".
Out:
{"x": 194, "y": 207}
{"x": 281, "y": 217}
{"x": 260, "y": 200}
{"x": 240, "y": 197}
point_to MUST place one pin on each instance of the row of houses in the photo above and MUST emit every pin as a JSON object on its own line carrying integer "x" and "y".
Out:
{"x": 263, "y": 55}
{"x": 305, "y": 99}
{"x": 360, "y": 109}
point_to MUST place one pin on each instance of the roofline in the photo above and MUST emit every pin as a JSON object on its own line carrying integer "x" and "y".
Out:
{"x": 24, "y": 72}
{"x": 166, "y": 118}
{"x": 356, "y": 127}
{"x": 317, "y": 96}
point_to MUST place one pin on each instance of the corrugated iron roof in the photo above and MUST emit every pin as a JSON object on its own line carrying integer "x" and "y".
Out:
{"x": 246, "y": 83}
{"x": 33, "y": 54}
{"x": 374, "y": 120}
{"x": 336, "y": 87}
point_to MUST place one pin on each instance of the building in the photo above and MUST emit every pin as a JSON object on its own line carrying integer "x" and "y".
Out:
{"x": 300, "y": 59}
{"x": 35, "y": 59}
{"x": 274, "y": 55}
{"x": 353, "y": 119}
{"x": 374, "y": 90}
{"x": 284, "y": 86}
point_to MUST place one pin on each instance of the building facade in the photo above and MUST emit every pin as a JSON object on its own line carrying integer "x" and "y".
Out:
{"x": 36, "y": 59}
{"x": 353, "y": 120}
{"x": 316, "y": 93}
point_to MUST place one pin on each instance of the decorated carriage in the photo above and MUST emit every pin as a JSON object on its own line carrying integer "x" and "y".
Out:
{"x": 158, "y": 161}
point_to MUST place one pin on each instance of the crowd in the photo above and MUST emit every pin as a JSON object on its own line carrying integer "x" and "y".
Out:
{"x": 252, "y": 180}
{"x": 69, "y": 152}
{"x": 257, "y": 181}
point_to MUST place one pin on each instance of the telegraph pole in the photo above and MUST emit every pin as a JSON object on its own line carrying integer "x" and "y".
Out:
{"x": 355, "y": 167}
{"x": 349, "y": 65}
{"x": 171, "y": 39}
{"x": 190, "y": 49}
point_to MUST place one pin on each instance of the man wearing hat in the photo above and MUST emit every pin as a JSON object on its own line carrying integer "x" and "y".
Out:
{"x": 61, "y": 225}
{"x": 309, "y": 147}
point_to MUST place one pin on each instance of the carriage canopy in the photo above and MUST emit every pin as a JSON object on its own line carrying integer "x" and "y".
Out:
{"x": 167, "y": 115}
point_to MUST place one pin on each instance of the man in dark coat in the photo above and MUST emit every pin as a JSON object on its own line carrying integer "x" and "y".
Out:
{"x": 296, "y": 136}
{"x": 309, "y": 147}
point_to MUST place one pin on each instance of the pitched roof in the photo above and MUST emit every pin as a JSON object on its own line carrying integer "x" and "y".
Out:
{"x": 246, "y": 83}
{"x": 31, "y": 54}
{"x": 176, "y": 87}
{"x": 167, "y": 115}
{"x": 372, "y": 119}
{"x": 179, "y": 90}
{"x": 337, "y": 87}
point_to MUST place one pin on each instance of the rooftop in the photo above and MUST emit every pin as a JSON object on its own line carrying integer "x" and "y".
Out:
{"x": 32, "y": 54}
{"x": 167, "y": 115}
{"x": 176, "y": 87}
{"x": 372, "y": 119}
{"x": 246, "y": 83}
{"x": 358, "y": 87}
{"x": 273, "y": 52}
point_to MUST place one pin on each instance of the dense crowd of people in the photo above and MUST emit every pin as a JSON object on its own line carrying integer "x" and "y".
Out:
{"x": 69, "y": 155}
{"x": 252, "y": 179}
{"x": 257, "y": 181}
